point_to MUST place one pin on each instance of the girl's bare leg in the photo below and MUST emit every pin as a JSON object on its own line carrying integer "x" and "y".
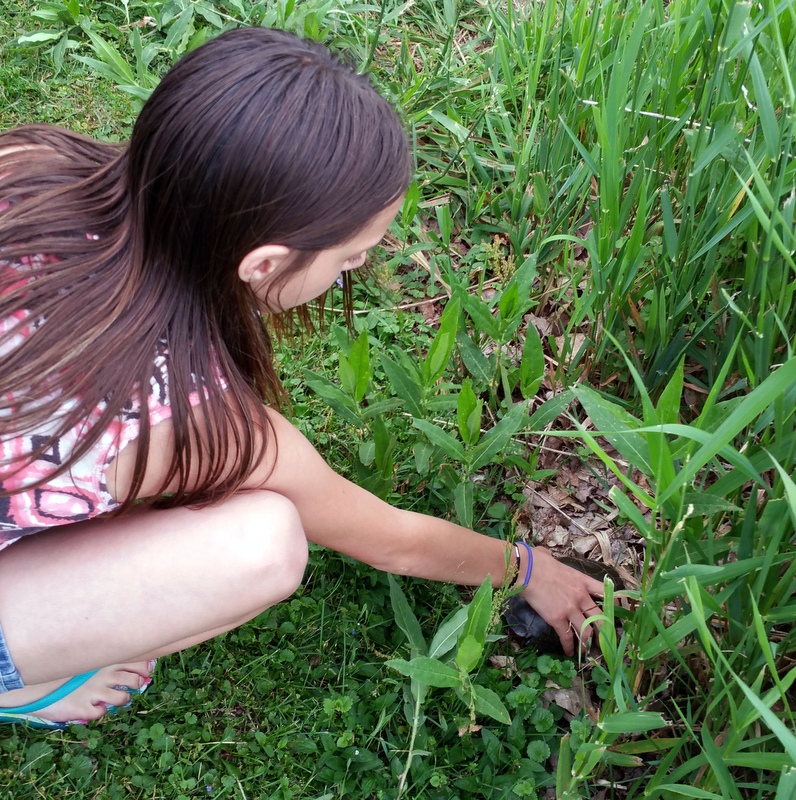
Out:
{"x": 123, "y": 591}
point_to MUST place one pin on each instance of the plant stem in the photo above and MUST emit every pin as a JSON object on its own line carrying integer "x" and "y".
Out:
{"x": 410, "y": 754}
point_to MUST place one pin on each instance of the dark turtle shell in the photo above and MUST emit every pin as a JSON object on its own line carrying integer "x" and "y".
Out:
{"x": 530, "y": 629}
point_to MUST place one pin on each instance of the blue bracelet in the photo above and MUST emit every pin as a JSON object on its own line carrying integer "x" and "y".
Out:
{"x": 530, "y": 564}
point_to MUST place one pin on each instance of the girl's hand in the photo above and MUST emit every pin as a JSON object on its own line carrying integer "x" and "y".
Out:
{"x": 563, "y": 597}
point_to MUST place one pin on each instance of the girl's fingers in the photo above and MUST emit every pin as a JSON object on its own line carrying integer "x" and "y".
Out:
{"x": 566, "y": 636}
{"x": 594, "y": 587}
{"x": 565, "y": 598}
{"x": 581, "y": 631}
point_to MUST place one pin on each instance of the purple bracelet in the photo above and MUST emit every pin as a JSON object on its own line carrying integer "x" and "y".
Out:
{"x": 530, "y": 564}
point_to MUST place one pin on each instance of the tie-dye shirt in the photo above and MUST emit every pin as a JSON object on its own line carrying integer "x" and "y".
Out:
{"x": 81, "y": 492}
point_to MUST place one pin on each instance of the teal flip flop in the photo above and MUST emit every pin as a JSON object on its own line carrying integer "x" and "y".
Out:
{"x": 26, "y": 715}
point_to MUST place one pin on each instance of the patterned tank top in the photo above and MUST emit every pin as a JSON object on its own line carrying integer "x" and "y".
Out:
{"x": 81, "y": 492}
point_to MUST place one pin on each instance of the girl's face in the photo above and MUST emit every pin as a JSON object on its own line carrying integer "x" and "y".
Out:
{"x": 328, "y": 265}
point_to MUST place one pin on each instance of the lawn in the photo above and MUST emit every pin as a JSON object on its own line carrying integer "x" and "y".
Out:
{"x": 579, "y": 331}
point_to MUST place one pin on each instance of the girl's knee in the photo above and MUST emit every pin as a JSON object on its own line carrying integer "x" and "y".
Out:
{"x": 271, "y": 544}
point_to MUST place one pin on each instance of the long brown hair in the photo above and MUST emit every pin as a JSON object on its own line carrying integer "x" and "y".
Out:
{"x": 256, "y": 137}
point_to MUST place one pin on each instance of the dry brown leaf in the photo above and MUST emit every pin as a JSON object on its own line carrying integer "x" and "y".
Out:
{"x": 583, "y": 545}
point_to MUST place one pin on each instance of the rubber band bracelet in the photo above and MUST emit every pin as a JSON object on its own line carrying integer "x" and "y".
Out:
{"x": 530, "y": 564}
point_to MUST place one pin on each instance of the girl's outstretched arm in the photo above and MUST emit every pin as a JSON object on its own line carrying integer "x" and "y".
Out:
{"x": 338, "y": 514}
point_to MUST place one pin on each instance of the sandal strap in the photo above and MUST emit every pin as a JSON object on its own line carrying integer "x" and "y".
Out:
{"x": 52, "y": 697}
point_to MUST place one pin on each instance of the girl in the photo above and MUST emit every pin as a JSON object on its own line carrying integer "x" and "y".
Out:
{"x": 152, "y": 495}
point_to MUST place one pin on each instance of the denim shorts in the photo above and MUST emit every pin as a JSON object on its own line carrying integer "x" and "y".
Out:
{"x": 9, "y": 677}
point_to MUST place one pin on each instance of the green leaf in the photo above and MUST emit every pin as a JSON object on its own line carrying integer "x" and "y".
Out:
{"x": 523, "y": 279}
{"x": 550, "y": 410}
{"x": 443, "y": 215}
{"x": 209, "y": 14}
{"x": 632, "y": 722}
{"x": 779, "y": 729}
{"x": 380, "y": 407}
{"x": 789, "y": 485}
{"x": 405, "y": 618}
{"x": 509, "y": 302}
{"x": 58, "y": 51}
{"x": 180, "y": 31}
{"x": 669, "y": 402}
{"x": 427, "y": 671}
{"x": 490, "y": 705}
{"x": 706, "y": 504}
{"x": 38, "y": 37}
{"x": 584, "y": 153}
{"x": 689, "y": 791}
{"x": 422, "y": 452}
{"x": 457, "y": 129}
{"x": 715, "y": 757}
{"x": 448, "y": 634}
{"x": 496, "y": 440}
{"x": 468, "y": 653}
{"x": 348, "y": 378}
{"x": 765, "y": 106}
{"x": 411, "y": 200}
{"x": 37, "y": 756}
{"x": 403, "y": 385}
{"x": 367, "y": 453}
{"x": 111, "y": 57}
{"x": 617, "y": 426}
{"x": 136, "y": 91}
{"x": 668, "y": 639}
{"x": 479, "y": 313}
{"x": 786, "y": 788}
{"x": 99, "y": 67}
{"x": 463, "y": 502}
{"x": 711, "y": 574}
{"x": 359, "y": 359}
{"x": 334, "y": 396}
{"x": 628, "y": 508}
{"x": 384, "y": 443}
{"x": 620, "y": 759}
{"x": 450, "y": 446}
{"x": 743, "y": 414}
{"x": 479, "y": 612}
{"x": 564, "y": 767}
{"x": 532, "y": 366}
{"x": 46, "y": 15}
{"x": 468, "y": 413}
{"x": 439, "y": 353}
{"x": 475, "y": 362}
{"x": 143, "y": 57}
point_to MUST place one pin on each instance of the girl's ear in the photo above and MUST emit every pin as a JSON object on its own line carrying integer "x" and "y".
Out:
{"x": 262, "y": 262}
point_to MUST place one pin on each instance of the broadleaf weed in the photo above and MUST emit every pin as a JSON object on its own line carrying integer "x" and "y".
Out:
{"x": 623, "y": 173}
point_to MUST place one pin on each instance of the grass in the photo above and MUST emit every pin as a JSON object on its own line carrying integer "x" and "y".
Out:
{"x": 604, "y": 205}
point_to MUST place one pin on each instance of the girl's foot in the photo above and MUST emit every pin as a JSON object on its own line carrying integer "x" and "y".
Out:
{"x": 107, "y": 687}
